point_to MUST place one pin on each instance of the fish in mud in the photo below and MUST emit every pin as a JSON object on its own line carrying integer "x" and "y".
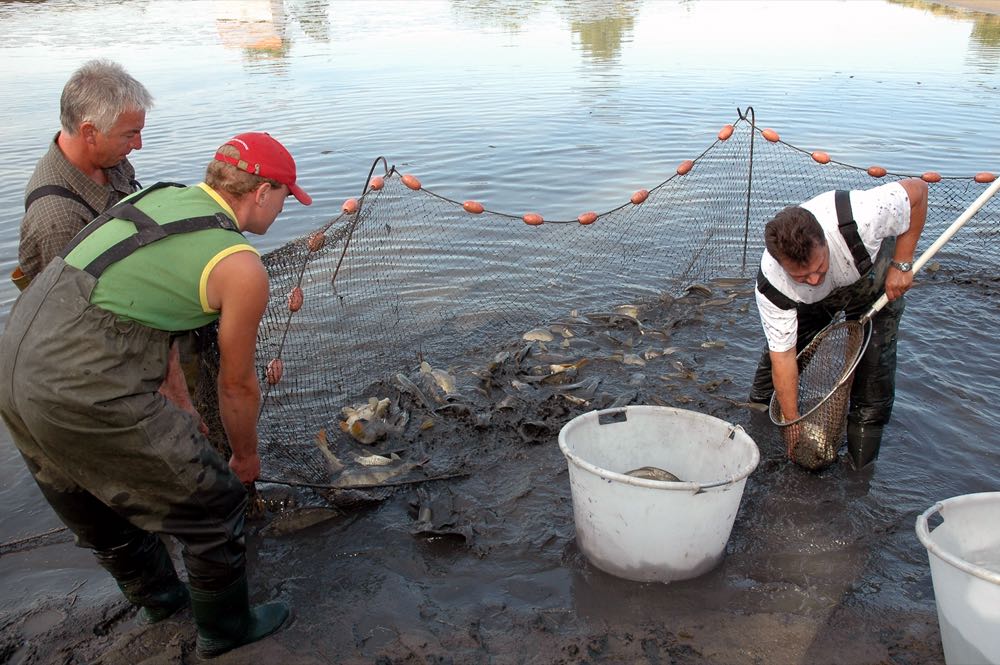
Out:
{"x": 373, "y": 460}
{"x": 332, "y": 461}
{"x": 729, "y": 282}
{"x": 653, "y": 473}
{"x": 373, "y": 420}
{"x": 561, "y": 329}
{"x": 698, "y": 289}
{"x": 628, "y": 310}
{"x": 442, "y": 379}
{"x": 633, "y": 359}
{"x": 373, "y": 476}
{"x": 297, "y": 519}
{"x": 407, "y": 386}
{"x": 538, "y": 335}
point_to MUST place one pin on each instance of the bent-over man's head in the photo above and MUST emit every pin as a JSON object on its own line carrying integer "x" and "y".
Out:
{"x": 104, "y": 106}
{"x": 795, "y": 239}
{"x": 256, "y": 169}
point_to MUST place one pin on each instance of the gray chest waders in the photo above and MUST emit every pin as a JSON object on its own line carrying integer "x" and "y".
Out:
{"x": 117, "y": 462}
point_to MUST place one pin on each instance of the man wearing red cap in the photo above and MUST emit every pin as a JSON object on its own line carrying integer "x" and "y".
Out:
{"x": 120, "y": 459}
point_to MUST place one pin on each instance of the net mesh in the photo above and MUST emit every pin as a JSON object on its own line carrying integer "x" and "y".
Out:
{"x": 412, "y": 277}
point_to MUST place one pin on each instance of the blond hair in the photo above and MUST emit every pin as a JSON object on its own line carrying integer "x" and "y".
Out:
{"x": 226, "y": 177}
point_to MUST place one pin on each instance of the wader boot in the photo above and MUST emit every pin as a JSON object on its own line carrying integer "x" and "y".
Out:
{"x": 146, "y": 577}
{"x": 863, "y": 442}
{"x": 225, "y": 619}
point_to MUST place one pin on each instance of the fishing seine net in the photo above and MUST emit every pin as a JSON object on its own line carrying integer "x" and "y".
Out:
{"x": 412, "y": 277}
{"x": 826, "y": 372}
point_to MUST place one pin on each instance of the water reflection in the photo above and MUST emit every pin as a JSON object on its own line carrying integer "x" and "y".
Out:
{"x": 985, "y": 36}
{"x": 312, "y": 17}
{"x": 497, "y": 14}
{"x": 600, "y": 30}
{"x": 263, "y": 29}
{"x": 257, "y": 27}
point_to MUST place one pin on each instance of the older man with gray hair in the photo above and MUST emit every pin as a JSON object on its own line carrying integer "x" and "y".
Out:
{"x": 86, "y": 169}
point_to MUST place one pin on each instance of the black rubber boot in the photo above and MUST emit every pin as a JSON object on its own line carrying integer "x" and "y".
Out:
{"x": 146, "y": 576}
{"x": 225, "y": 619}
{"x": 863, "y": 442}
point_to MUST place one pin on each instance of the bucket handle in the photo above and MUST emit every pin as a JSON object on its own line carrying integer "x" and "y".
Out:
{"x": 924, "y": 534}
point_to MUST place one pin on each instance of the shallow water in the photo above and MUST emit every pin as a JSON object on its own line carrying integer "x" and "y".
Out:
{"x": 561, "y": 107}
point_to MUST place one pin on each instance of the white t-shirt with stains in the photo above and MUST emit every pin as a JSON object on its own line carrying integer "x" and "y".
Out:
{"x": 880, "y": 212}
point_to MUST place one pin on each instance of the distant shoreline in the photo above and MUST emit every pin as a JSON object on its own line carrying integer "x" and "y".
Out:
{"x": 984, "y": 6}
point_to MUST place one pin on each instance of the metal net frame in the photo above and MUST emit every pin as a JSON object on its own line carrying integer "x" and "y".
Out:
{"x": 826, "y": 373}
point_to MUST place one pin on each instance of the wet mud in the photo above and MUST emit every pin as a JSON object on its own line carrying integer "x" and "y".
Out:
{"x": 482, "y": 566}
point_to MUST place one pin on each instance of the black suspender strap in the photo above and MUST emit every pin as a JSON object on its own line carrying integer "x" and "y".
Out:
{"x": 147, "y": 230}
{"x": 57, "y": 190}
{"x": 110, "y": 213}
{"x": 849, "y": 230}
{"x": 768, "y": 290}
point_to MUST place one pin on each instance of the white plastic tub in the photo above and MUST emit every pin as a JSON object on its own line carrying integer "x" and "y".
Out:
{"x": 964, "y": 554}
{"x": 649, "y": 530}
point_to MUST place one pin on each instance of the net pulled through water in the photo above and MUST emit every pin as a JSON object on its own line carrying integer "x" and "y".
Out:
{"x": 412, "y": 310}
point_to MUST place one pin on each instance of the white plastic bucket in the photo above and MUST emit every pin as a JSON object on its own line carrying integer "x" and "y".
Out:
{"x": 650, "y": 530}
{"x": 964, "y": 554}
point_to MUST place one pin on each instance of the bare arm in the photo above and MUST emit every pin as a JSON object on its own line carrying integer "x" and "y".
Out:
{"x": 897, "y": 283}
{"x": 785, "y": 374}
{"x": 238, "y": 288}
{"x": 175, "y": 389}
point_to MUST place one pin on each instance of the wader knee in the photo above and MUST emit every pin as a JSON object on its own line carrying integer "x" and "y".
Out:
{"x": 763, "y": 385}
{"x": 146, "y": 576}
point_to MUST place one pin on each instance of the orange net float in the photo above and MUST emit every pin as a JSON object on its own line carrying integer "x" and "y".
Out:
{"x": 316, "y": 241}
{"x": 876, "y": 171}
{"x": 411, "y": 181}
{"x": 821, "y": 157}
{"x": 533, "y": 219}
{"x": 931, "y": 176}
{"x": 587, "y": 218}
{"x": 295, "y": 299}
{"x": 984, "y": 177}
{"x": 275, "y": 369}
{"x": 770, "y": 135}
{"x": 350, "y": 206}
{"x": 684, "y": 167}
{"x": 376, "y": 183}
{"x": 475, "y": 207}
{"x": 640, "y": 196}
{"x": 725, "y": 132}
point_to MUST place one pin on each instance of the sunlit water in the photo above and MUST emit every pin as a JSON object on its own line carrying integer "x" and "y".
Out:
{"x": 557, "y": 107}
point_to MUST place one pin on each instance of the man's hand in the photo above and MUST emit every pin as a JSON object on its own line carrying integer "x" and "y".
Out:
{"x": 246, "y": 468}
{"x": 897, "y": 282}
{"x": 791, "y": 433}
{"x": 174, "y": 388}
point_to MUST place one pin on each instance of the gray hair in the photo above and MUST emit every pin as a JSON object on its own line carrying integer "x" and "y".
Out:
{"x": 99, "y": 92}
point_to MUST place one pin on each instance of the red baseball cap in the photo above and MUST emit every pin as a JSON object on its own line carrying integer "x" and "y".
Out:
{"x": 261, "y": 154}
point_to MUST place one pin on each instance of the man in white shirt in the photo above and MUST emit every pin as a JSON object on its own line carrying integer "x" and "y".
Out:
{"x": 839, "y": 252}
